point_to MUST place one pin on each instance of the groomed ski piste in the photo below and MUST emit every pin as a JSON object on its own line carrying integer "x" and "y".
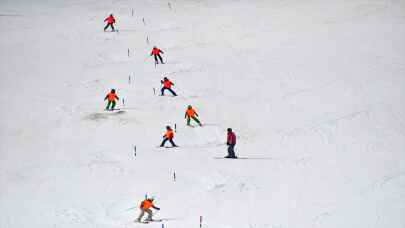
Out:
{"x": 314, "y": 91}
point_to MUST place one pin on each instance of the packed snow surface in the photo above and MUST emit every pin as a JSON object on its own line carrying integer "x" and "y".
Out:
{"x": 314, "y": 91}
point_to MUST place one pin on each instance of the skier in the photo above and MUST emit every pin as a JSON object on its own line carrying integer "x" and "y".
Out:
{"x": 168, "y": 136}
{"x": 111, "y": 97}
{"x": 191, "y": 114}
{"x": 167, "y": 84}
{"x": 231, "y": 141}
{"x": 156, "y": 54}
{"x": 145, "y": 207}
{"x": 110, "y": 22}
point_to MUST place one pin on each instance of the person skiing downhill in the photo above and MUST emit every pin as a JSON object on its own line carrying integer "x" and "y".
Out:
{"x": 231, "y": 142}
{"x": 167, "y": 84}
{"x": 110, "y": 22}
{"x": 146, "y": 206}
{"x": 169, "y": 135}
{"x": 111, "y": 97}
{"x": 156, "y": 54}
{"x": 191, "y": 114}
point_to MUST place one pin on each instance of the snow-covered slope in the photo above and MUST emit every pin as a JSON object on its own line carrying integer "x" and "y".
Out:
{"x": 313, "y": 89}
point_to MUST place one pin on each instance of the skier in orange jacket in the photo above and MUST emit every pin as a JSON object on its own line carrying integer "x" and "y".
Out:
{"x": 110, "y": 22}
{"x": 168, "y": 136}
{"x": 156, "y": 54}
{"x": 191, "y": 114}
{"x": 111, "y": 97}
{"x": 145, "y": 207}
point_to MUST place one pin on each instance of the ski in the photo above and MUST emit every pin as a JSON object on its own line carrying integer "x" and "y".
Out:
{"x": 167, "y": 147}
{"x": 250, "y": 158}
{"x": 148, "y": 221}
{"x": 111, "y": 110}
{"x": 228, "y": 158}
{"x": 144, "y": 222}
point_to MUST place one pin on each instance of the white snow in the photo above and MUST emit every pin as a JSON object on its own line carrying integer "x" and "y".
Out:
{"x": 313, "y": 89}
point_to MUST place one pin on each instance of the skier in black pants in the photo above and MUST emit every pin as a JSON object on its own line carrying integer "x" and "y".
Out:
{"x": 110, "y": 22}
{"x": 156, "y": 54}
{"x": 231, "y": 142}
{"x": 168, "y": 136}
{"x": 167, "y": 84}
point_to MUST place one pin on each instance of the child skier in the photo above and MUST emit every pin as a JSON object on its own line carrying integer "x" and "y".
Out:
{"x": 168, "y": 136}
{"x": 167, "y": 84}
{"x": 156, "y": 54}
{"x": 231, "y": 142}
{"x": 111, "y": 97}
{"x": 145, "y": 207}
{"x": 191, "y": 114}
{"x": 110, "y": 22}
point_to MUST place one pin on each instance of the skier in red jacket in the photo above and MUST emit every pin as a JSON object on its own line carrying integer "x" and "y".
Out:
{"x": 231, "y": 141}
{"x": 156, "y": 54}
{"x": 167, "y": 84}
{"x": 110, "y": 22}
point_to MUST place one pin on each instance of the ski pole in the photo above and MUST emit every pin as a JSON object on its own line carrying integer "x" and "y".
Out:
{"x": 131, "y": 208}
{"x": 182, "y": 91}
{"x": 146, "y": 58}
